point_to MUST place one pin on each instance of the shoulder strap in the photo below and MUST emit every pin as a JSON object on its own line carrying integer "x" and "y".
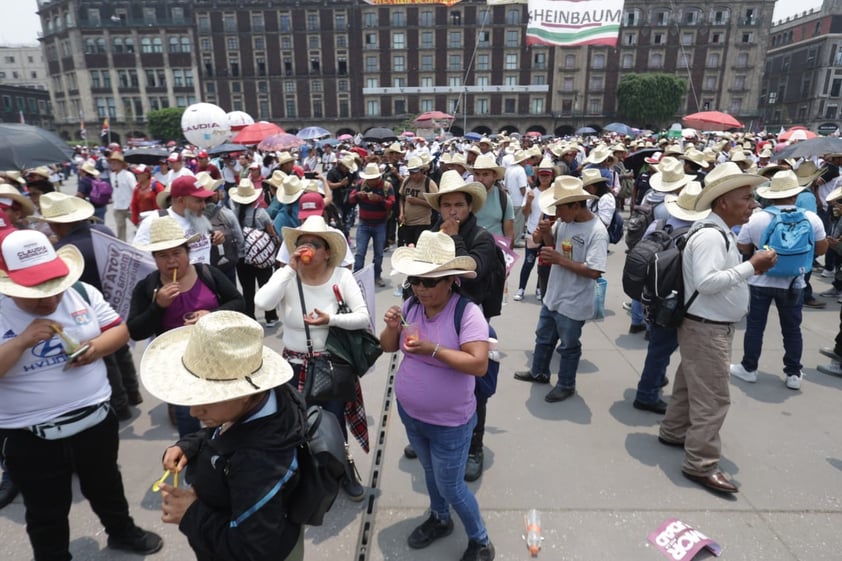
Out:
{"x": 459, "y": 312}
{"x": 205, "y": 274}
{"x": 303, "y": 308}
{"x": 503, "y": 201}
{"x": 80, "y": 288}
{"x": 426, "y": 183}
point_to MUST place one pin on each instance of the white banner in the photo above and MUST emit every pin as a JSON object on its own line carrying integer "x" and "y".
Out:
{"x": 121, "y": 266}
{"x": 574, "y": 22}
{"x": 365, "y": 278}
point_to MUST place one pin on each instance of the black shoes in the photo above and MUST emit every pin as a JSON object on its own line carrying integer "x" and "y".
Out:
{"x": 473, "y": 467}
{"x": 137, "y": 541}
{"x": 659, "y": 406}
{"x": 429, "y": 531}
{"x": 135, "y": 398}
{"x": 637, "y": 328}
{"x": 409, "y": 452}
{"x": 478, "y": 552}
{"x": 558, "y": 394}
{"x": 665, "y": 442}
{"x": 526, "y": 376}
{"x": 351, "y": 482}
{"x": 8, "y": 490}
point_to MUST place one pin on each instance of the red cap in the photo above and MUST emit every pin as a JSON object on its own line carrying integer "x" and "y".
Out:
{"x": 29, "y": 258}
{"x": 187, "y": 186}
{"x": 310, "y": 204}
{"x": 202, "y": 154}
{"x": 141, "y": 168}
{"x": 174, "y": 157}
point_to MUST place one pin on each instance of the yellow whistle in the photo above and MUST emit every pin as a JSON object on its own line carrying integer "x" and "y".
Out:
{"x": 157, "y": 485}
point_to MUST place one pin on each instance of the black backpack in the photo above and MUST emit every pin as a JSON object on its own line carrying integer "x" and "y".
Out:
{"x": 663, "y": 294}
{"x": 639, "y": 257}
{"x": 639, "y": 220}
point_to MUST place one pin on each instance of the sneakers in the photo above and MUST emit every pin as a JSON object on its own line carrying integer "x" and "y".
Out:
{"x": 813, "y": 303}
{"x": 831, "y": 293}
{"x": 137, "y": 541}
{"x": 519, "y": 296}
{"x": 833, "y": 369}
{"x": 538, "y": 294}
{"x": 478, "y": 552}
{"x": 737, "y": 371}
{"x": 473, "y": 467}
{"x": 135, "y": 397}
{"x": 794, "y": 382}
{"x": 830, "y": 353}
{"x": 627, "y": 306}
{"x": 380, "y": 282}
{"x": 429, "y": 531}
{"x": 827, "y": 273}
{"x": 270, "y": 323}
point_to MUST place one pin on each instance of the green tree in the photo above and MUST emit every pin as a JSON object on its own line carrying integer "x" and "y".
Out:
{"x": 165, "y": 124}
{"x": 650, "y": 99}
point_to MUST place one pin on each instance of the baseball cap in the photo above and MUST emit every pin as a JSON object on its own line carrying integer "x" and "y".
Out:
{"x": 28, "y": 257}
{"x": 310, "y": 204}
{"x": 141, "y": 168}
{"x": 174, "y": 157}
{"x": 187, "y": 186}
{"x": 202, "y": 154}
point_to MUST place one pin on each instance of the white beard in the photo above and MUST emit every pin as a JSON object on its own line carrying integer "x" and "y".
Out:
{"x": 199, "y": 224}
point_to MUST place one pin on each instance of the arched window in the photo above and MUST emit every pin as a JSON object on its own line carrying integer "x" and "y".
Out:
{"x": 117, "y": 45}
{"x": 100, "y": 45}
{"x": 145, "y": 44}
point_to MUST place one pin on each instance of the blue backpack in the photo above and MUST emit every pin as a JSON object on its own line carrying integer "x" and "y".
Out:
{"x": 790, "y": 234}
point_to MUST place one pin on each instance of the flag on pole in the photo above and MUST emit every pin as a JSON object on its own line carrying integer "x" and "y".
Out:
{"x": 104, "y": 130}
{"x": 22, "y": 119}
{"x": 573, "y": 22}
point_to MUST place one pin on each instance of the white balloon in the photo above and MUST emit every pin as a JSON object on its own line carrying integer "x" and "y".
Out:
{"x": 239, "y": 119}
{"x": 205, "y": 125}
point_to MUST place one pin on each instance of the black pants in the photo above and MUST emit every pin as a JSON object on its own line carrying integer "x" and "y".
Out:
{"x": 43, "y": 469}
{"x": 479, "y": 429}
{"x": 248, "y": 277}
{"x": 409, "y": 234}
{"x": 121, "y": 375}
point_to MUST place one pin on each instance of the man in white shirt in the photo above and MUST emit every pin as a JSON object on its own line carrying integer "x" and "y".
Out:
{"x": 516, "y": 185}
{"x": 177, "y": 168}
{"x": 716, "y": 286}
{"x": 122, "y": 184}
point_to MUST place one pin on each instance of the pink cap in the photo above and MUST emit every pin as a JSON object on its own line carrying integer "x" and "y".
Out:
{"x": 187, "y": 186}
{"x": 310, "y": 204}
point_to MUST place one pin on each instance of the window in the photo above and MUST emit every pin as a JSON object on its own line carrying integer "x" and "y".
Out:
{"x": 661, "y": 17}
{"x": 484, "y": 38}
{"x": 285, "y": 23}
{"x": 596, "y": 83}
{"x": 95, "y": 83}
{"x": 232, "y": 43}
{"x": 343, "y": 85}
{"x": 371, "y": 64}
{"x": 742, "y": 60}
{"x": 536, "y": 105}
{"x": 482, "y": 80}
{"x": 177, "y": 15}
{"x": 510, "y": 62}
{"x": 426, "y": 63}
{"x": 342, "y": 68}
{"x": 425, "y": 104}
{"x": 371, "y": 40}
{"x": 512, "y": 38}
{"x": 483, "y": 61}
{"x": 157, "y": 45}
{"x": 659, "y": 38}
{"x": 344, "y": 107}
{"x": 454, "y": 39}
{"x": 684, "y": 60}
{"x": 569, "y": 61}
{"x": 481, "y": 106}
{"x": 426, "y": 81}
{"x": 399, "y": 63}
{"x": 692, "y": 16}
{"x": 286, "y": 42}
{"x": 710, "y": 83}
{"x": 236, "y": 87}
{"x": 257, "y": 23}
{"x": 315, "y": 63}
{"x": 426, "y": 18}
{"x": 370, "y": 19}
{"x": 747, "y": 37}
{"x": 260, "y": 62}
{"x": 372, "y": 82}
{"x": 567, "y": 84}
{"x": 483, "y": 16}
{"x": 426, "y": 39}
{"x": 656, "y": 60}
{"x": 229, "y": 23}
{"x": 372, "y": 108}
{"x": 100, "y": 46}
{"x": 117, "y": 45}
{"x": 627, "y": 61}
{"x": 288, "y": 70}
{"x": 177, "y": 78}
{"x": 203, "y": 22}
{"x": 739, "y": 82}
{"x": 340, "y": 22}
{"x": 716, "y": 38}
{"x": 455, "y": 17}
{"x": 93, "y": 16}
{"x": 598, "y": 61}
{"x": 509, "y": 105}
{"x": 513, "y": 16}
{"x": 318, "y": 108}
{"x": 510, "y": 80}
{"x": 630, "y": 39}
{"x": 720, "y": 17}
{"x": 234, "y": 66}
{"x": 713, "y": 60}
{"x": 539, "y": 61}
{"x": 454, "y": 62}
{"x": 259, "y": 43}
{"x": 630, "y": 18}
{"x": 595, "y": 106}
{"x": 291, "y": 108}
{"x": 313, "y": 42}
{"x": 736, "y": 106}
{"x": 312, "y": 21}
{"x": 399, "y": 41}
{"x": 398, "y": 18}
{"x": 341, "y": 41}
{"x": 289, "y": 86}
{"x": 454, "y": 81}
{"x": 687, "y": 38}
{"x": 149, "y": 16}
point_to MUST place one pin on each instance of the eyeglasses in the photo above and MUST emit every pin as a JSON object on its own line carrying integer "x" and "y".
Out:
{"x": 425, "y": 282}
{"x": 316, "y": 244}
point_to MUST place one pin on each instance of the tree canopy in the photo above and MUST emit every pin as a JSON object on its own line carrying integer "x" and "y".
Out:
{"x": 165, "y": 124}
{"x": 650, "y": 99}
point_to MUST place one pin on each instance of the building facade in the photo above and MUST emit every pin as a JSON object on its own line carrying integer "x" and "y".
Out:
{"x": 23, "y": 66}
{"x": 27, "y": 105}
{"x": 802, "y": 78}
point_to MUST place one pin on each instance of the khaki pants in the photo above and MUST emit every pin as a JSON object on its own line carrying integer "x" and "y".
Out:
{"x": 121, "y": 216}
{"x": 701, "y": 394}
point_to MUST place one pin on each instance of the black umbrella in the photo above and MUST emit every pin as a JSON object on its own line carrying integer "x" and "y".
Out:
{"x": 24, "y": 146}
{"x": 818, "y": 146}
{"x": 634, "y": 161}
{"x": 148, "y": 156}
{"x": 379, "y": 134}
{"x": 226, "y": 148}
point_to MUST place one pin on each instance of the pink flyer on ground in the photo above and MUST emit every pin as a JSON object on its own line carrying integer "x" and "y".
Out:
{"x": 677, "y": 540}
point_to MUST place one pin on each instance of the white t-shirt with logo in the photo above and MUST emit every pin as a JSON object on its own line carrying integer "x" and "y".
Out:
{"x": 37, "y": 389}
{"x": 199, "y": 250}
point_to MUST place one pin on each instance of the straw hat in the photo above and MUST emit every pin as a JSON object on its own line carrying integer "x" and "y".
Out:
{"x": 316, "y": 226}
{"x": 488, "y": 161}
{"x": 619, "y": 148}
{"x": 683, "y": 205}
{"x": 784, "y": 184}
{"x": 808, "y": 172}
{"x": 165, "y": 233}
{"x": 116, "y": 157}
{"x": 10, "y": 194}
{"x": 599, "y": 155}
{"x": 371, "y": 171}
{"x": 244, "y": 193}
{"x": 349, "y": 162}
{"x": 591, "y": 176}
{"x": 444, "y": 159}
{"x": 452, "y": 182}
{"x": 546, "y": 166}
{"x": 276, "y": 179}
{"x": 723, "y": 179}
{"x": 221, "y": 357}
{"x": 696, "y": 157}
{"x": 433, "y": 256}
{"x": 670, "y": 176}
{"x": 565, "y": 189}
{"x": 42, "y": 171}
{"x": 459, "y": 160}
{"x": 394, "y": 147}
{"x": 835, "y": 194}
{"x": 673, "y": 150}
{"x": 205, "y": 180}
{"x": 14, "y": 175}
{"x": 654, "y": 159}
{"x": 31, "y": 268}
{"x": 290, "y": 190}
{"x": 766, "y": 152}
{"x": 90, "y": 168}
{"x": 521, "y": 156}
{"x": 485, "y": 140}
{"x": 285, "y": 157}
{"x": 64, "y": 209}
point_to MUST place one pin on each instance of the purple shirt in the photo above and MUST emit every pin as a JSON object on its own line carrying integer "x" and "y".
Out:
{"x": 199, "y": 297}
{"x": 429, "y": 390}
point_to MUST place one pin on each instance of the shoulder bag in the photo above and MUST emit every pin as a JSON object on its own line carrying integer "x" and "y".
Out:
{"x": 357, "y": 347}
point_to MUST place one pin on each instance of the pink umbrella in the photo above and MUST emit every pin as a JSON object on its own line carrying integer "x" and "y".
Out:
{"x": 279, "y": 142}
{"x": 344, "y": 137}
{"x": 711, "y": 121}
{"x": 432, "y": 119}
{"x": 796, "y": 133}
{"x": 253, "y": 134}
{"x": 407, "y": 133}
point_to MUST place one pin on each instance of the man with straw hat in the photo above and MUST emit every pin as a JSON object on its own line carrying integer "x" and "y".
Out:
{"x": 517, "y": 183}
{"x": 497, "y": 214}
{"x": 415, "y": 214}
{"x": 576, "y": 245}
{"x": 716, "y": 275}
{"x": 375, "y": 197}
{"x": 15, "y": 204}
{"x": 663, "y": 341}
{"x": 55, "y": 418}
{"x": 69, "y": 219}
{"x": 785, "y": 291}
{"x": 243, "y": 463}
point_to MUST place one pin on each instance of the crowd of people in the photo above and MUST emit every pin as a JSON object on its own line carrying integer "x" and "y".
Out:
{"x": 276, "y": 237}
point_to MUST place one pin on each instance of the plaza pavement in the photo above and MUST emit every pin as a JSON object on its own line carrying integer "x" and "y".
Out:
{"x": 591, "y": 465}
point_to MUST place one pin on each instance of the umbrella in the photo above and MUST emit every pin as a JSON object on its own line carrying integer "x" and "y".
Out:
{"x": 361, "y": 152}
{"x": 407, "y": 133}
{"x": 818, "y": 146}
{"x": 281, "y": 141}
{"x": 620, "y": 128}
{"x": 253, "y": 134}
{"x": 379, "y": 134}
{"x": 312, "y": 133}
{"x": 226, "y": 148}
{"x": 796, "y": 133}
{"x": 585, "y": 130}
{"x": 711, "y": 121}
{"x": 475, "y": 136}
{"x": 534, "y": 133}
{"x": 634, "y": 161}
{"x": 331, "y": 141}
{"x": 344, "y": 137}
{"x": 148, "y": 156}
{"x": 433, "y": 115}
{"x": 25, "y": 146}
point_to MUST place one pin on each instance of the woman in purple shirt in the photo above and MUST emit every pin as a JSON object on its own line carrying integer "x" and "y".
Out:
{"x": 434, "y": 385}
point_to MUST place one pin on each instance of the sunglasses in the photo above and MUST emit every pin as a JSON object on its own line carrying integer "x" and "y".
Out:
{"x": 425, "y": 282}
{"x": 313, "y": 243}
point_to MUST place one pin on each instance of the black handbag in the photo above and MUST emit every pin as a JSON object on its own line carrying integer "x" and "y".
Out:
{"x": 358, "y": 347}
{"x": 328, "y": 378}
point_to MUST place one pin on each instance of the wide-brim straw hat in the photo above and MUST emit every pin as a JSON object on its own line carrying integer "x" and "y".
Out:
{"x": 10, "y": 193}
{"x": 90, "y": 168}
{"x": 655, "y": 158}
{"x": 546, "y": 165}
{"x": 565, "y": 189}
{"x": 371, "y": 171}
{"x": 591, "y": 176}
{"x": 64, "y": 209}
{"x": 487, "y": 161}
{"x": 808, "y": 172}
{"x": 316, "y": 226}
{"x": 452, "y": 182}
{"x": 349, "y": 162}
{"x": 116, "y": 157}
{"x": 60, "y": 267}
{"x": 244, "y": 193}
{"x": 15, "y": 175}
{"x": 284, "y": 157}
{"x": 673, "y": 150}
{"x": 165, "y": 233}
{"x": 784, "y": 184}
{"x": 670, "y": 176}
{"x": 221, "y": 357}
{"x": 683, "y": 205}
{"x": 204, "y": 179}
{"x": 41, "y": 171}
{"x": 290, "y": 190}
{"x": 521, "y": 156}
{"x": 834, "y": 195}
{"x": 394, "y": 147}
{"x": 433, "y": 256}
{"x": 696, "y": 157}
{"x": 599, "y": 155}
{"x": 276, "y": 179}
{"x": 723, "y": 179}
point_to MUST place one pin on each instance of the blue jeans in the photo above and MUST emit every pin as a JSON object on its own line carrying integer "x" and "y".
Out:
{"x": 789, "y": 304}
{"x": 442, "y": 452}
{"x": 366, "y": 232}
{"x": 663, "y": 341}
{"x": 529, "y": 257}
{"x": 636, "y": 312}
{"x": 553, "y": 328}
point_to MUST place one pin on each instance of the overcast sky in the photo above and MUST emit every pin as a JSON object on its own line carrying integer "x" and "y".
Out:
{"x": 21, "y": 23}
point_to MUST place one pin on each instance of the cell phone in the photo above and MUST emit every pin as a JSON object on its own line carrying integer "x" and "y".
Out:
{"x": 309, "y": 175}
{"x": 74, "y": 356}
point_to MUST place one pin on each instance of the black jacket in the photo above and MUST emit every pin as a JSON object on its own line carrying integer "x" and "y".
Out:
{"x": 145, "y": 316}
{"x": 233, "y": 474}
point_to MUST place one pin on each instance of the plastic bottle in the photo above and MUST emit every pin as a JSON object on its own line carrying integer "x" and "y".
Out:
{"x": 533, "y": 532}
